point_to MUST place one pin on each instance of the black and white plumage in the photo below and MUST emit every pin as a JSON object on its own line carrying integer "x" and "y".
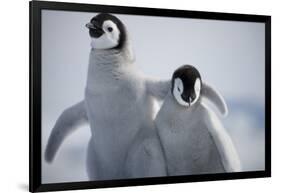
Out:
{"x": 118, "y": 105}
{"x": 193, "y": 138}
{"x": 107, "y": 32}
{"x": 186, "y": 85}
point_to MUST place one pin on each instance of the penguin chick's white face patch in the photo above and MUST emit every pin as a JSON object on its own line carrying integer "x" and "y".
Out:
{"x": 177, "y": 92}
{"x": 179, "y": 89}
{"x": 110, "y": 37}
{"x": 197, "y": 88}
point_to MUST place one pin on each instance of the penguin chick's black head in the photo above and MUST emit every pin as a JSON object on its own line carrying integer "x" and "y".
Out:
{"x": 186, "y": 85}
{"x": 107, "y": 31}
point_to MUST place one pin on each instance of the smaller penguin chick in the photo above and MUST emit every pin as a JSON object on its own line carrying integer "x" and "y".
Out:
{"x": 193, "y": 138}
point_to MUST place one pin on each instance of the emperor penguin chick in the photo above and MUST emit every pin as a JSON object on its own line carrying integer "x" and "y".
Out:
{"x": 118, "y": 104}
{"x": 193, "y": 137}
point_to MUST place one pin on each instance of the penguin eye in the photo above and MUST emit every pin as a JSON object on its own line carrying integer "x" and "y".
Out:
{"x": 110, "y": 29}
{"x": 179, "y": 89}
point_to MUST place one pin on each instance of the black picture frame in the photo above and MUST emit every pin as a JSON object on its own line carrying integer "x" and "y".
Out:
{"x": 35, "y": 8}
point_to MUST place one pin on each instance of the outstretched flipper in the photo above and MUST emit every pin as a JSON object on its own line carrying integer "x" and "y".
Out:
{"x": 212, "y": 95}
{"x": 69, "y": 120}
{"x": 229, "y": 156}
{"x": 158, "y": 88}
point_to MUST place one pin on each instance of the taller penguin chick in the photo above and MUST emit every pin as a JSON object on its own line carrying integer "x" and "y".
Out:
{"x": 118, "y": 104}
{"x": 193, "y": 138}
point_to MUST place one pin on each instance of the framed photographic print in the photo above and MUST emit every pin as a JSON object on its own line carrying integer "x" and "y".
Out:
{"x": 125, "y": 96}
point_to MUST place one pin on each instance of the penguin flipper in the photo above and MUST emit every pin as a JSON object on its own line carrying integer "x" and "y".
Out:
{"x": 226, "y": 148}
{"x": 69, "y": 120}
{"x": 212, "y": 95}
{"x": 158, "y": 88}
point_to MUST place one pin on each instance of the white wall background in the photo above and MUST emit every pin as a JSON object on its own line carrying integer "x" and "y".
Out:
{"x": 14, "y": 96}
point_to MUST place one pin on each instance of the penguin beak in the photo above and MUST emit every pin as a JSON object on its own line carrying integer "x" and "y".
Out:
{"x": 94, "y": 25}
{"x": 95, "y": 29}
{"x": 189, "y": 101}
{"x": 89, "y": 26}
